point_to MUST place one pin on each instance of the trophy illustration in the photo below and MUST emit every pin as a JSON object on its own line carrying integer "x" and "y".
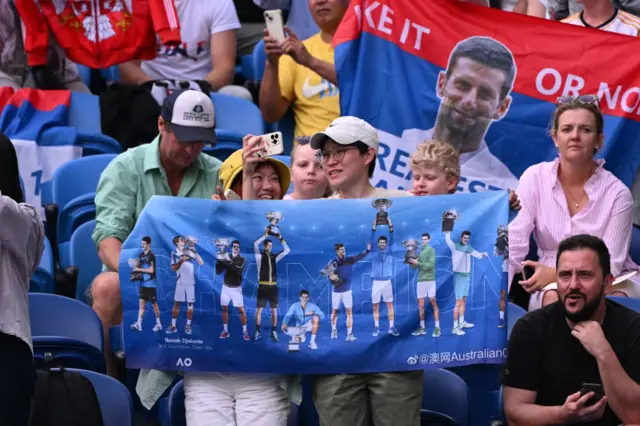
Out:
{"x": 135, "y": 275}
{"x": 412, "y": 249}
{"x": 297, "y": 335}
{"x": 448, "y": 220}
{"x": 329, "y": 270}
{"x": 274, "y": 218}
{"x": 382, "y": 205}
{"x": 221, "y": 248}
{"x": 502, "y": 241}
{"x": 190, "y": 247}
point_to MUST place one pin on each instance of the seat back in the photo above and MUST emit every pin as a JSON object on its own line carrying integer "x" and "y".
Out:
{"x": 237, "y": 115}
{"x": 115, "y": 400}
{"x": 446, "y": 393}
{"x": 628, "y": 302}
{"x": 84, "y": 256}
{"x": 177, "y": 413}
{"x": 514, "y": 313}
{"x": 42, "y": 279}
{"x": 78, "y": 177}
{"x": 259, "y": 58}
{"x": 57, "y": 316}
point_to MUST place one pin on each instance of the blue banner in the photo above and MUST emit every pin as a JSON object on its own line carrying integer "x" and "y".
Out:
{"x": 324, "y": 268}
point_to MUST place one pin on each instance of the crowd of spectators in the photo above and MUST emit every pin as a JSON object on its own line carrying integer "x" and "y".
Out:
{"x": 580, "y": 215}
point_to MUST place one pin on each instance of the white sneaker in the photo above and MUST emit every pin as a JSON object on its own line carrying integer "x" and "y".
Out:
{"x": 458, "y": 331}
{"x": 350, "y": 338}
{"x": 136, "y": 326}
{"x": 157, "y": 328}
{"x": 334, "y": 334}
{"x": 303, "y": 338}
{"x": 466, "y": 325}
{"x": 312, "y": 345}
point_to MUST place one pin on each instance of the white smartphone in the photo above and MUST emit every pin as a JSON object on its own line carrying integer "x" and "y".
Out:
{"x": 272, "y": 144}
{"x": 275, "y": 24}
{"x": 229, "y": 194}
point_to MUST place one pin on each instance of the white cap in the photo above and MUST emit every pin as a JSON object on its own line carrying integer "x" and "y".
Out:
{"x": 191, "y": 115}
{"x": 346, "y": 131}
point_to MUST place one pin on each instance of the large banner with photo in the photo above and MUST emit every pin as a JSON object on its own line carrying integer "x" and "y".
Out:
{"x": 486, "y": 81}
{"x": 335, "y": 285}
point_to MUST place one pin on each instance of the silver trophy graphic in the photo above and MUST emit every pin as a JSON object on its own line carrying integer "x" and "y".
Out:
{"x": 382, "y": 205}
{"x": 502, "y": 241}
{"x": 135, "y": 275}
{"x": 274, "y": 218}
{"x": 221, "y": 248}
{"x": 330, "y": 270}
{"x": 190, "y": 247}
{"x": 411, "y": 245}
{"x": 297, "y": 335}
{"x": 448, "y": 220}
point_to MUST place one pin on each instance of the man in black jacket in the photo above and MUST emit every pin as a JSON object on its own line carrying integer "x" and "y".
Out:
{"x": 233, "y": 267}
{"x": 266, "y": 261}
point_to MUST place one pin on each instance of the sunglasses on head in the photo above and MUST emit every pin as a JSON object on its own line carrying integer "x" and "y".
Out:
{"x": 303, "y": 140}
{"x": 580, "y": 100}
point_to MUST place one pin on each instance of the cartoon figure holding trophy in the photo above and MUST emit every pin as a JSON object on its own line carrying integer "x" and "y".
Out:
{"x": 461, "y": 253}
{"x": 502, "y": 249}
{"x": 425, "y": 263}
{"x": 382, "y": 205}
{"x": 306, "y": 316}
{"x": 233, "y": 268}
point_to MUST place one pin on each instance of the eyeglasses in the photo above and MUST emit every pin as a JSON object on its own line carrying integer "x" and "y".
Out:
{"x": 579, "y": 100}
{"x": 337, "y": 155}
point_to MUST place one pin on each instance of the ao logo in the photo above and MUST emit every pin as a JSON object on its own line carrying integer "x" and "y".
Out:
{"x": 184, "y": 362}
{"x": 413, "y": 360}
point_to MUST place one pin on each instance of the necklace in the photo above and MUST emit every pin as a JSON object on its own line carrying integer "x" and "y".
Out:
{"x": 573, "y": 200}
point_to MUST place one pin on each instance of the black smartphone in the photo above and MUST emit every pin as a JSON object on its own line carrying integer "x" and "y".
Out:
{"x": 528, "y": 271}
{"x": 597, "y": 388}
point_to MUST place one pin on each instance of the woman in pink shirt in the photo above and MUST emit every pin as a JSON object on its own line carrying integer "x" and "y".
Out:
{"x": 571, "y": 195}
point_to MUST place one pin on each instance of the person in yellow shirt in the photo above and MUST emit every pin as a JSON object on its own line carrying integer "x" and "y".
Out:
{"x": 302, "y": 74}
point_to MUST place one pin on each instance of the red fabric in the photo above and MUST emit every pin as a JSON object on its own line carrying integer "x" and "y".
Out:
{"x": 124, "y": 35}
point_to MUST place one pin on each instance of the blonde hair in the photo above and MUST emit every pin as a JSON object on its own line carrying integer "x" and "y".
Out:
{"x": 438, "y": 154}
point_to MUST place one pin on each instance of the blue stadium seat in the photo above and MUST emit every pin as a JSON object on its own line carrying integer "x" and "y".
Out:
{"x": 259, "y": 57}
{"x": 284, "y": 158}
{"x": 237, "y": 115}
{"x": 110, "y": 74}
{"x": 287, "y": 127}
{"x": 226, "y": 145}
{"x": 177, "y": 414}
{"x": 65, "y": 333}
{"x": 629, "y": 302}
{"x": 97, "y": 144}
{"x": 634, "y": 250}
{"x": 42, "y": 278}
{"x": 445, "y": 398}
{"x": 514, "y": 313}
{"x": 84, "y": 256}
{"x": 115, "y": 400}
{"x": 246, "y": 67}
{"x": 483, "y": 381}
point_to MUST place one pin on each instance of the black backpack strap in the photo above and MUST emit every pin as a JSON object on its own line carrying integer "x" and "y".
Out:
{"x": 41, "y": 399}
{"x": 88, "y": 413}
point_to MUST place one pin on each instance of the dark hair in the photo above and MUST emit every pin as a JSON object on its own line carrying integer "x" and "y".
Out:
{"x": 382, "y": 238}
{"x": 267, "y": 241}
{"x": 587, "y": 242}
{"x": 337, "y": 247}
{"x": 363, "y": 148}
{"x": 304, "y": 292}
{"x": 593, "y": 109}
{"x": 465, "y": 232}
{"x": 9, "y": 172}
{"x": 488, "y": 52}
{"x": 426, "y": 234}
{"x": 235, "y": 242}
{"x": 147, "y": 240}
{"x": 176, "y": 239}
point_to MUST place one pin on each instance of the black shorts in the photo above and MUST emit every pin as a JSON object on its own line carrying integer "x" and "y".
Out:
{"x": 267, "y": 293}
{"x": 148, "y": 294}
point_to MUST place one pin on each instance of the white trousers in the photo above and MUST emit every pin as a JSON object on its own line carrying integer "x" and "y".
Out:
{"x": 231, "y": 399}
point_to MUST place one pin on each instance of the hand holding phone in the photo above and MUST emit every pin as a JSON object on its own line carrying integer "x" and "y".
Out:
{"x": 596, "y": 388}
{"x": 527, "y": 272}
{"x": 229, "y": 194}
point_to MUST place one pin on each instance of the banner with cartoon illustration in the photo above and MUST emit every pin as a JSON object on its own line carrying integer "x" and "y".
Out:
{"x": 323, "y": 286}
